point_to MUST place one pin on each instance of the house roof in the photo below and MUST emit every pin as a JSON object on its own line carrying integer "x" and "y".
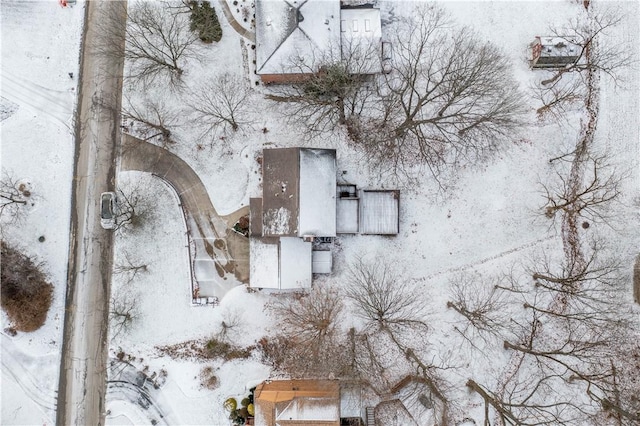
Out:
{"x": 347, "y": 216}
{"x": 361, "y": 39}
{"x": 299, "y": 192}
{"x": 559, "y": 46}
{"x": 321, "y": 262}
{"x": 288, "y": 29}
{"x": 295, "y": 263}
{"x": 379, "y": 212}
{"x": 298, "y": 402}
{"x": 317, "y": 192}
{"x": 263, "y": 263}
{"x": 280, "y": 191}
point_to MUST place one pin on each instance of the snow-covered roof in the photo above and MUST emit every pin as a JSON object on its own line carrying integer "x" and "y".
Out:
{"x": 280, "y": 191}
{"x": 294, "y": 402}
{"x": 321, "y": 262}
{"x": 317, "y": 207}
{"x": 554, "y": 52}
{"x": 299, "y": 192}
{"x": 295, "y": 263}
{"x": 347, "y": 216}
{"x": 294, "y": 30}
{"x": 558, "y": 46}
{"x": 379, "y": 212}
{"x": 263, "y": 263}
{"x": 361, "y": 39}
{"x": 310, "y": 409}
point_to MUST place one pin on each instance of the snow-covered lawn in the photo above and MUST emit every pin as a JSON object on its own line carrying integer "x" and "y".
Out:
{"x": 40, "y": 47}
{"x": 489, "y": 220}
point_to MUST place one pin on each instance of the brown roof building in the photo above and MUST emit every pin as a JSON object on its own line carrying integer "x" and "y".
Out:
{"x": 297, "y": 403}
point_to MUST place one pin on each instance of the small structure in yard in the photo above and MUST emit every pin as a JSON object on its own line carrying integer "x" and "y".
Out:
{"x": 293, "y": 35}
{"x": 368, "y": 211}
{"x": 302, "y": 402}
{"x": 554, "y": 52}
{"x": 379, "y": 212}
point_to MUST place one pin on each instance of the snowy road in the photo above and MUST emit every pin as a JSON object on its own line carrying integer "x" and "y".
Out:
{"x": 82, "y": 384}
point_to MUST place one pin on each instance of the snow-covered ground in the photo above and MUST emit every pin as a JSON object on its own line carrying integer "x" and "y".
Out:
{"x": 489, "y": 220}
{"x": 40, "y": 47}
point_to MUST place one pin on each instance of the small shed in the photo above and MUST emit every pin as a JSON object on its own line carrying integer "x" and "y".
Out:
{"x": 554, "y": 52}
{"x": 347, "y": 210}
{"x": 380, "y": 212}
{"x": 321, "y": 262}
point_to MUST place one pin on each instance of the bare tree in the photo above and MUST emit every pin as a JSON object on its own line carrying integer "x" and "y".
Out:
{"x": 556, "y": 100}
{"x": 566, "y": 86}
{"x": 310, "y": 318}
{"x": 565, "y": 343}
{"x": 130, "y": 266}
{"x": 155, "y": 119}
{"x": 132, "y": 209}
{"x": 232, "y": 322}
{"x": 449, "y": 98}
{"x": 482, "y": 305}
{"x": 587, "y": 32}
{"x": 221, "y": 101}
{"x": 592, "y": 198}
{"x": 157, "y": 39}
{"x": 381, "y": 295}
{"x": 338, "y": 85}
{"x": 15, "y": 196}
{"x": 309, "y": 343}
{"x": 123, "y": 313}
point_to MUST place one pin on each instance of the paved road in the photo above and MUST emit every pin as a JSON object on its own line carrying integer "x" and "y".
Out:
{"x": 83, "y": 369}
{"x": 217, "y": 250}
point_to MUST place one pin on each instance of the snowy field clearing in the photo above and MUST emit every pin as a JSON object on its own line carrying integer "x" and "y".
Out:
{"x": 40, "y": 47}
{"x": 488, "y": 221}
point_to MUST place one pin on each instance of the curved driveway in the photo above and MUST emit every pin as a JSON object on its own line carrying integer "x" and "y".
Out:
{"x": 249, "y": 35}
{"x": 218, "y": 253}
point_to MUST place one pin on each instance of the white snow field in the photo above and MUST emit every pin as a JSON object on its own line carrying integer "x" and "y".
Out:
{"x": 40, "y": 47}
{"x": 489, "y": 220}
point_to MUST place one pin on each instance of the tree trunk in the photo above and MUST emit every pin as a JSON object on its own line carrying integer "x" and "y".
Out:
{"x": 636, "y": 280}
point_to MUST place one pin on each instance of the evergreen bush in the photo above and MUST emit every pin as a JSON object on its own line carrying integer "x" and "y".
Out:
{"x": 205, "y": 21}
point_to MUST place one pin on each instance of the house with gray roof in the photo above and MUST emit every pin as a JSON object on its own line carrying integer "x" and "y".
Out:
{"x": 302, "y": 210}
{"x": 295, "y": 37}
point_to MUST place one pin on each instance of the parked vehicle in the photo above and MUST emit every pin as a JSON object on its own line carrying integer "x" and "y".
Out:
{"x": 108, "y": 210}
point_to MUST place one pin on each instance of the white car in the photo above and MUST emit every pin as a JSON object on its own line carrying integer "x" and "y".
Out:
{"x": 108, "y": 210}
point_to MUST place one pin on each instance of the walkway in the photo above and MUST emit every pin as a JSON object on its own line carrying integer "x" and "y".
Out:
{"x": 249, "y": 35}
{"x": 219, "y": 256}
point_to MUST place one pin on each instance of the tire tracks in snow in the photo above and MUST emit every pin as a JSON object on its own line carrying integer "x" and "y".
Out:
{"x": 487, "y": 259}
{"x": 19, "y": 366}
{"x": 57, "y": 104}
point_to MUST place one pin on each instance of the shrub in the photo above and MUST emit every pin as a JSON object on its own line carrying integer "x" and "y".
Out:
{"x": 205, "y": 21}
{"x": 230, "y": 405}
{"x": 25, "y": 294}
{"x": 208, "y": 378}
